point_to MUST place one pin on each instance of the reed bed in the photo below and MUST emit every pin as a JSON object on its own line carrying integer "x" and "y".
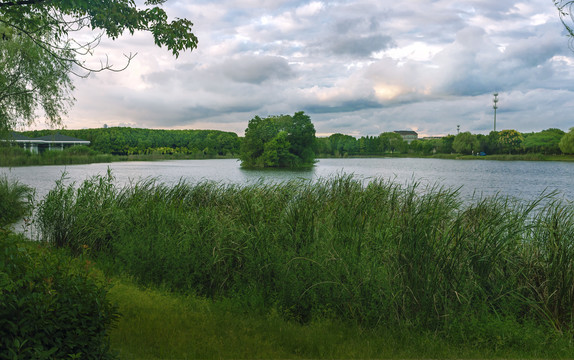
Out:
{"x": 374, "y": 253}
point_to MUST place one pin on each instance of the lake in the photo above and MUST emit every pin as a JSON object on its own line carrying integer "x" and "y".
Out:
{"x": 520, "y": 179}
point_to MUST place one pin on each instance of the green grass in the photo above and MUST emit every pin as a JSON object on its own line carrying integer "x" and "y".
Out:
{"x": 161, "y": 325}
{"x": 493, "y": 273}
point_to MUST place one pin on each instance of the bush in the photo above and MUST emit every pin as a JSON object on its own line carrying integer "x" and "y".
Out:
{"x": 51, "y": 305}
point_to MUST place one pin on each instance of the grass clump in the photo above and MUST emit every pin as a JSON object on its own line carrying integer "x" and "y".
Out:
{"x": 15, "y": 201}
{"x": 492, "y": 272}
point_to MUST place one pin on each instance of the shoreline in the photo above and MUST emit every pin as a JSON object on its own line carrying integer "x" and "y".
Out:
{"x": 109, "y": 158}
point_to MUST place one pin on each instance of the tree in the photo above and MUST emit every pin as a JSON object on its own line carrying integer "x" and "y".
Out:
{"x": 546, "y": 141}
{"x": 565, "y": 8}
{"x": 393, "y": 142}
{"x": 301, "y": 136}
{"x": 278, "y": 141}
{"x": 465, "y": 143}
{"x": 28, "y": 82}
{"x": 40, "y": 53}
{"x": 343, "y": 145}
{"x": 510, "y": 140}
{"x": 567, "y": 142}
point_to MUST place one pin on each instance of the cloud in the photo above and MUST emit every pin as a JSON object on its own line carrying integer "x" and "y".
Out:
{"x": 360, "y": 67}
{"x": 360, "y": 46}
{"x": 256, "y": 69}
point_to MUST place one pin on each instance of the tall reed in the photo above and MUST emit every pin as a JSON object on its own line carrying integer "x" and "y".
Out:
{"x": 374, "y": 252}
{"x": 16, "y": 200}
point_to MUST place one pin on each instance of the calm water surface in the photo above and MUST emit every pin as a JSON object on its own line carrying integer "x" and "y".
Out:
{"x": 521, "y": 179}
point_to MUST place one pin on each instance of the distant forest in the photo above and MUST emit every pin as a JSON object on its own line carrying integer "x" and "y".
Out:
{"x": 212, "y": 143}
{"x": 130, "y": 141}
{"x": 502, "y": 142}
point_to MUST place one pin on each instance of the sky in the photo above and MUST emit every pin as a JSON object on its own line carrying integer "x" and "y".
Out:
{"x": 355, "y": 67}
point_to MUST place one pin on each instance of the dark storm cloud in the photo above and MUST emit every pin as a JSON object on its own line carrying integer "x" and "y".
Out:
{"x": 256, "y": 69}
{"x": 347, "y": 106}
{"x": 360, "y": 46}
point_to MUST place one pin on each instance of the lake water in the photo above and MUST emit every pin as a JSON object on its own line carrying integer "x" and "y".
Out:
{"x": 520, "y": 179}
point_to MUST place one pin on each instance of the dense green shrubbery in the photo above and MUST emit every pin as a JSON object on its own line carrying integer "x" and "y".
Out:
{"x": 51, "y": 306}
{"x": 15, "y": 201}
{"x": 377, "y": 253}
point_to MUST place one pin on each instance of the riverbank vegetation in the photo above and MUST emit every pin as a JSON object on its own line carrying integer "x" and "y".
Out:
{"x": 492, "y": 273}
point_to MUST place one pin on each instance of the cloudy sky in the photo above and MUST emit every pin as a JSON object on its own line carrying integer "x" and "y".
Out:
{"x": 356, "y": 67}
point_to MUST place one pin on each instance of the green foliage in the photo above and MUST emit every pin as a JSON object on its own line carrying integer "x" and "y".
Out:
{"x": 393, "y": 142}
{"x": 16, "y": 156}
{"x": 51, "y": 306}
{"x": 374, "y": 253}
{"x": 544, "y": 142}
{"x": 510, "y": 140}
{"x": 465, "y": 143}
{"x": 567, "y": 142}
{"x": 113, "y": 17}
{"x": 135, "y": 141}
{"x": 342, "y": 145}
{"x": 279, "y": 141}
{"x": 29, "y": 82}
{"x": 15, "y": 201}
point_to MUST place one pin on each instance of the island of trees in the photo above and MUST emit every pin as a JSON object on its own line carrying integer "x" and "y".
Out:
{"x": 279, "y": 141}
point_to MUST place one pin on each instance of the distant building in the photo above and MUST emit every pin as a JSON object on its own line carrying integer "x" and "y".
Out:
{"x": 43, "y": 143}
{"x": 407, "y": 135}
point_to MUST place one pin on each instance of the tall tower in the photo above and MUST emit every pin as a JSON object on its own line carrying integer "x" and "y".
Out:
{"x": 495, "y": 106}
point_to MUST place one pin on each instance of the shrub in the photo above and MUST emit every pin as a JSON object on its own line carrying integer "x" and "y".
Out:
{"x": 51, "y": 306}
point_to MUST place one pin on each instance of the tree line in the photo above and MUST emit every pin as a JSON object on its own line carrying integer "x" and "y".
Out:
{"x": 285, "y": 140}
{"x": 133, "y": 141}
{"x": 548, "y": 142}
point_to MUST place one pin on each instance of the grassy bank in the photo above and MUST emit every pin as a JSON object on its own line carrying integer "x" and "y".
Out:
{"x": 492, "y": 273}
{"x": 158, "y": 324}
